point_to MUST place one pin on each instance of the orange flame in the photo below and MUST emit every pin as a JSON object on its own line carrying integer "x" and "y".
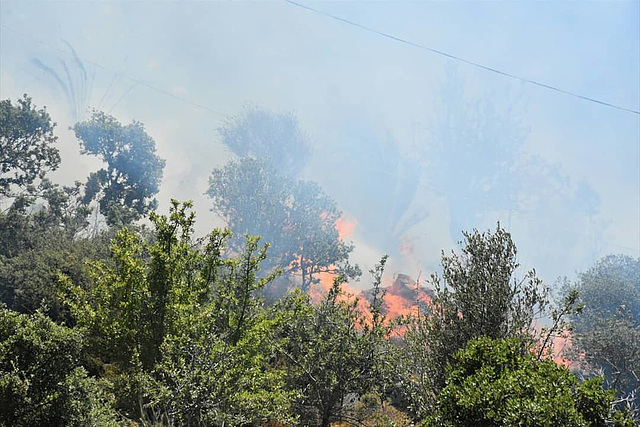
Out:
{"x": 561, "y": 344}
{"x": 345, "y": 227}
{"x": 400, "y": 299}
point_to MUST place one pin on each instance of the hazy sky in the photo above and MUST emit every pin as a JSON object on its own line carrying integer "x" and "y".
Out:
{"x": 161, "y": 62}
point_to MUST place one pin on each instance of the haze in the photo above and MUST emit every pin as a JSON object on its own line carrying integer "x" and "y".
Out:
{"x": 413, "y": 146}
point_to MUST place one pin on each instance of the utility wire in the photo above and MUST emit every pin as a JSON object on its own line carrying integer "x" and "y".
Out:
{"x": 203, "y": 107}
{"x": 132, "y": 79}
{"x": 457, "y": 58}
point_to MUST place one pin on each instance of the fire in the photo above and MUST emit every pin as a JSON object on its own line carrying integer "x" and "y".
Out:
{"x": 561, "y": 344}
{"x": 401, "y": 297}
{"x": 345, "y": 227}
{"x": 319, "y": 290}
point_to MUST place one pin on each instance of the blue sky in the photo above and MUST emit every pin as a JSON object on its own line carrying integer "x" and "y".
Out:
{"x": 342, "y": 81}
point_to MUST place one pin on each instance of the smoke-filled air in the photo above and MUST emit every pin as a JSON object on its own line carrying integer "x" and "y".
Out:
{"x": 308, "y": 213}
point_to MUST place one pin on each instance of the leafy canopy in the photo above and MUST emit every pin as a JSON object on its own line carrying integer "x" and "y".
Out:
{"x": 333, "y": 352}
{"x": 125, "y": 188}
{"x": 478, "y": 295}
{"x": 607, "y": 332}
{"x": 493, "y": 383}
{"x": 42, "y": 381}
{"x": 263, "y": 134}
{"x": 296, "y": 218}
{"x": 27, "y": 149}
{"x": 180, "y": 328}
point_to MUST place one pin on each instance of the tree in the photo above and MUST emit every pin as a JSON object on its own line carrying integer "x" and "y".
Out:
{"x": 334, "y": 352}
{"x": 28, "y": 278}
{"x": 39, "y": 241}
{"x": 613, "y": 283}
{"x": 219, "y": 369}
{"x": 37, "y": 230}
{"x": 141, "y": 296}
{"x": 27, "y": 149}
{"x": 314, "y": 241}
{"x": 134, "y": 171}
{"x": 178, "y": 328}
{"x": 493, "y": 383}
{"x": 478, "y": 295}
{"x": 262, "y": 134}
{"x": 42, "y": 381}
{"x": 607, "y": 332}
{"x": 296, "y": 218}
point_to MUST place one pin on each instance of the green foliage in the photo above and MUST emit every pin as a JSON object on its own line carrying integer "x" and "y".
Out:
{"x": 27, "y": 281}
{"x": 295, "y": 217}
{"x": 179, "y": 329}
{"x": 612, "y": 348}
{"x": 480, "y": 285}
{"x": 227, "y": 376}
{"x": 41, "y": 380}
{"x": 332, "y": 352}
{"x": 372, "y": 411}
{"x": 35, "y": 246}
{"x": 477, "y": 296}
{"x": 37, "y": 230}
{"x": 204, "y": 379}
{"x": 147, "y": 293}
{"x": 134, "y": 171}
{"x": 26, "y": 147}
{"x": 495, "y": 383}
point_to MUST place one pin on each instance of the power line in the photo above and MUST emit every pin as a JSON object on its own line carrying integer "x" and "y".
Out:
{"x": 204, "y": 107}
{"x": 132, "y": 79}
{"x": 459, "y": 59}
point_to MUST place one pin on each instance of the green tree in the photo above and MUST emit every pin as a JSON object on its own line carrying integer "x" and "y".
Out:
{"x": 42, "y": 381}
{"x": 143, "y": 295}
{"x": 28, "y": 279}
{"x": 126, "y": 187}
{"x": 27, "y": 150}
{"x": 178, "y": 328}
{"x": 39, "y": 241}
{"x": 334, "y": 352}
{"x": 478, "y": 295}
{"x": 493, "y": 383}
{"x": 218, "y": 370}
{"x": 296, "y": 218}
{"x": 611, "y": 284}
